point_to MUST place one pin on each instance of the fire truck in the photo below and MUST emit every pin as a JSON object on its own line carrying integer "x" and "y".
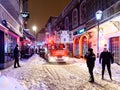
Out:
{"x": 58, "y": 51}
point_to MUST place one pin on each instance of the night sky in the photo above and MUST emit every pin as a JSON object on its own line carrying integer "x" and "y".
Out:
{"x": 41, "y": 10}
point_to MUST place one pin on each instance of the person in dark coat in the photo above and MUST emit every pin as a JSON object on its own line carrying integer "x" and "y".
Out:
{"x": 107, "y": 59}
{"x": 90, "y": 57}
{"x": 16, "y": 56}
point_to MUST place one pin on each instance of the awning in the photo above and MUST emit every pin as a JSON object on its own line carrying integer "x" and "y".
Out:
{"x": 28, "y": 35}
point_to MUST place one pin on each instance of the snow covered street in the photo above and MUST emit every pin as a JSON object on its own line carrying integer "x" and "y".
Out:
{"x": 36, "y": 74}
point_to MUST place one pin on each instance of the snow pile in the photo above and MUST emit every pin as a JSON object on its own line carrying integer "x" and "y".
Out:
{"x": 8, "y": 83}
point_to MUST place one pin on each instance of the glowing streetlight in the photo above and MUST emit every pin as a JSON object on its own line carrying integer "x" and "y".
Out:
{"x": 98, "y": 15}
{"x": 34, "y": 29}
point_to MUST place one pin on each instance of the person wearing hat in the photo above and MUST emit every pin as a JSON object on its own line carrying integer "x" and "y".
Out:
{"x": 90, "y": 60}
{"x": 107, "y": 59}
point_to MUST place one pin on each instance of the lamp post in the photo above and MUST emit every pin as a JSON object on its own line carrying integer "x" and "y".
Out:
{"x": 34, "y": 29}
{"x": 98, "y": 15}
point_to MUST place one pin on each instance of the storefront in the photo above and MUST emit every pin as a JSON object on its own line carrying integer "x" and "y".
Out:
{"x": 81, "y": 42}
{"x": 8, "y": 41}
{"x": 109, "y": 36}
{"x": 27, "y": 45}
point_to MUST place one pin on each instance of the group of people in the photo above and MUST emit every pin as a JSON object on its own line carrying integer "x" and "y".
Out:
{"x": 106, "y": 59}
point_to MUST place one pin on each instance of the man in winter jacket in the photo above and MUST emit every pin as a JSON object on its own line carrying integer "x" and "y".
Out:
{"x": 16, "y": 56}
{"x": 90, "y": 57}
{"x": 107, "y": 59}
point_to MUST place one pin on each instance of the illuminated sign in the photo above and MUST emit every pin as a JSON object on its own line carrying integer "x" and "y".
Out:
{"x": 4, "y": 22}
{"x": 25, "y": 14}
{"x": 79, "y": 31}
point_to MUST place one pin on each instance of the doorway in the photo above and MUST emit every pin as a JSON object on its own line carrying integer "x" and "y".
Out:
{"x": 1, "y": 47}
{"x": 115, "y": 48}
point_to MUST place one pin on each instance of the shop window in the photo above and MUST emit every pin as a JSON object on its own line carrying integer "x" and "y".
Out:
{"x": 10, "y": 42}
{"x": 84, "y": 45}
{"x": 76, "y": 48}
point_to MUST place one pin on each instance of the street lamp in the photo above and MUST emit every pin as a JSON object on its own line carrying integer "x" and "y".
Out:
{"x": 34, "y": 29}
{"x": 98, "y": 15}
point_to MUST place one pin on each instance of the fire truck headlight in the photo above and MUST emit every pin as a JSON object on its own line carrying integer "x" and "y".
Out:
{"x": 51, "y": 59}
{"x": 66, "y": 58}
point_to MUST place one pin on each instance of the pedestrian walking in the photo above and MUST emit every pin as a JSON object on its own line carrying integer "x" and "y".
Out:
{"x": 16, "y": 56}
{"x": 90, "y": 57}
{"x": 107, "y": 60}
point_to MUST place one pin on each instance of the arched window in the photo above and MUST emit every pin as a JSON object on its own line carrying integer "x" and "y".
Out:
{"x": 66, "y": 23}
{"x": 75, "y": 18}
{"x": 83, "y": 12}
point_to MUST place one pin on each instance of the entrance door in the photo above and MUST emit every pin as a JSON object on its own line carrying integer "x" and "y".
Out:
{"x": 115, "y": 48}
{"x": 76, "y": 47}
{"x": 1, "y": 47}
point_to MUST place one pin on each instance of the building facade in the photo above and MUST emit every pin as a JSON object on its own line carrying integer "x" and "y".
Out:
{"x": 50, "y": 29}
{"x": 40, "y": 37}
{"x": 10, "y": 30}
{"x": 27, "y": 41}
{"x": 79, "y": 17}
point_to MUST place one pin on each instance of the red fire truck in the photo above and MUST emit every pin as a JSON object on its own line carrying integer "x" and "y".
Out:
{"x": 58, "y": 53}
{"x": 57, "y": 47}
